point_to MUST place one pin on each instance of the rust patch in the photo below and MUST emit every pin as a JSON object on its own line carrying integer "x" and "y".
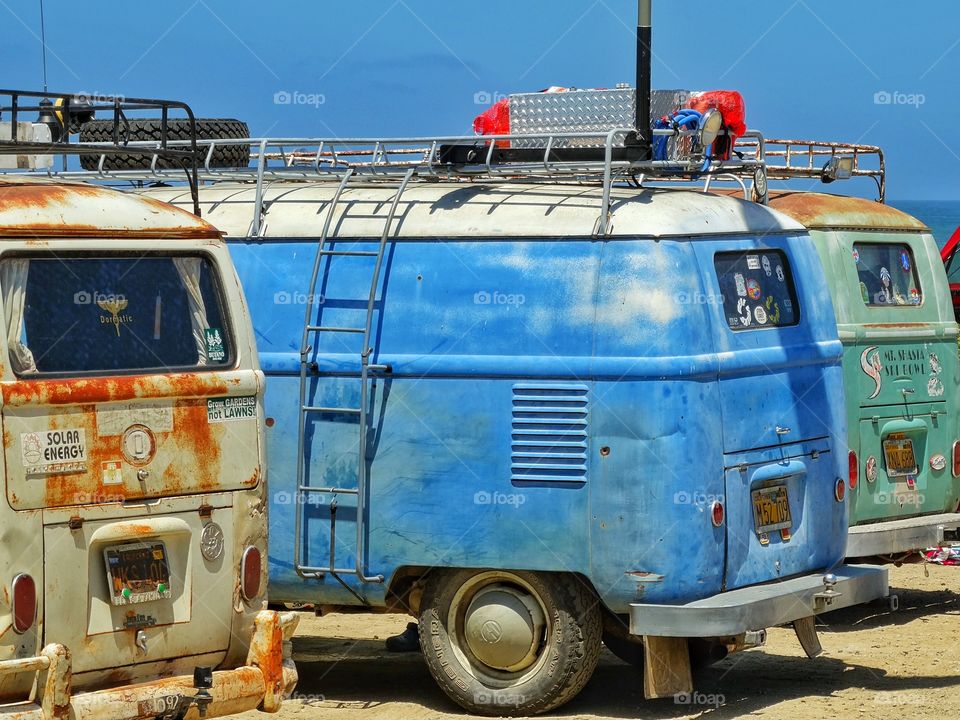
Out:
{"x": 25, "y": 200}
{"x": 823, "y": 211}
{"x": 110, "y": 389}
{"x": 43, "y": 230}
{"x": 197, "y": 439}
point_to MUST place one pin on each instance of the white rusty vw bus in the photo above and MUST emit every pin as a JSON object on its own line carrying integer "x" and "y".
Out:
{"x": 132, "y": 566}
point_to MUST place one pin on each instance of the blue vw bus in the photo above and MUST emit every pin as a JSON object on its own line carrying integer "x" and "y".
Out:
{"x": 544, "y": 413}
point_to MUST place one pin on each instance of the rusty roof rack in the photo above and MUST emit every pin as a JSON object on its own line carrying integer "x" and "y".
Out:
{"x": 791, "y": 159}
{"x": 61, "y": 112}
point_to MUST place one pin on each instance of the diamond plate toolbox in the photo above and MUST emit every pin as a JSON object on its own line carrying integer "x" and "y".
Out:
{"x": 584, "y": 111}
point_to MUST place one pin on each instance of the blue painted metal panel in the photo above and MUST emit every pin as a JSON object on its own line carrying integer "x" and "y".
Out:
{"x": 613, "y": 338}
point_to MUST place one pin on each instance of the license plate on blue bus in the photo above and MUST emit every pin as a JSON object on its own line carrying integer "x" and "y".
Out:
{"x": 771, "y": 509}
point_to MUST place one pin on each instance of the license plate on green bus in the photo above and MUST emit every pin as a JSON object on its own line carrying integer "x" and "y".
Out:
{"x": 771, "y": 509}
{"x": 137, "y": 572}
{"x": 901, "y": 460}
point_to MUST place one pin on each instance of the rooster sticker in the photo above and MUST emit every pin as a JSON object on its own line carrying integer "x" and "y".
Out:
{"x": 870, "y": 362}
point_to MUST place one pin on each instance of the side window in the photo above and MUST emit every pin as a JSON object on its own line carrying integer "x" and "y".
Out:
{"x": 888, "y": 274}
{"x": 757, "y": 289}
{"x": 79, "y": 314}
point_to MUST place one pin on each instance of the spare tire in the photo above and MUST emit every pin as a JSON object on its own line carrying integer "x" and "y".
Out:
{"x": 224, "y": 156}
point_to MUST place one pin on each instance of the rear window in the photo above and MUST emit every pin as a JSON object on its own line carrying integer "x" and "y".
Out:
{"x": 888, "y": 274}
{"x": 83, "y": 314}
{"x": 757, "y": 289}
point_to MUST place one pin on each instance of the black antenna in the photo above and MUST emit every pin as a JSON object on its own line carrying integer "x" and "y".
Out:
{"x": 43, "y": 41}
{"x": 644, "y": 68}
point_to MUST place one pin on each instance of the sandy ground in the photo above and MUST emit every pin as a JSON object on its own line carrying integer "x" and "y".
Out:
{"x": 875, "y": 664}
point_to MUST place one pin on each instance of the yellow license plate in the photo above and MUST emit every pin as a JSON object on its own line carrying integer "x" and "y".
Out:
{"x": 771, "y": 509}
{"x": 901, "y": 460}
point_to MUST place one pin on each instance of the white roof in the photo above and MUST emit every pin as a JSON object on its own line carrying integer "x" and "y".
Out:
{"x": 478, "y": 209}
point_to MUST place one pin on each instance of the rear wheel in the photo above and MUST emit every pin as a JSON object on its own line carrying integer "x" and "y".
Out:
{"x": 138, "y": 129}
{"x": 509, "y": 643}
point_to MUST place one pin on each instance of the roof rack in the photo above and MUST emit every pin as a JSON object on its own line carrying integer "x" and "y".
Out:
{"x": 790, "y": 159}
{"x": 604, "y": 157}
{"x": 578, "y": 156}
{"x": 61, "y": 113}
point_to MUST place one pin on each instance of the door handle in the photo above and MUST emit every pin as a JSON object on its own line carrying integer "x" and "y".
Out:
{"x": 781, "y": 431}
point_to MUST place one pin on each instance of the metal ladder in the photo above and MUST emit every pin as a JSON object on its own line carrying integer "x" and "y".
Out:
{"x": 310, "y": 330}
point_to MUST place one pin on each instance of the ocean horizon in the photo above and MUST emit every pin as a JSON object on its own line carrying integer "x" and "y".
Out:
{"x": 941, "y": 216}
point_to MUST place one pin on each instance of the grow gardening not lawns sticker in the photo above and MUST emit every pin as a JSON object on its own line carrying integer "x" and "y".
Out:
{"x": 221, "y": 410}
{"x": 53, "y": 452}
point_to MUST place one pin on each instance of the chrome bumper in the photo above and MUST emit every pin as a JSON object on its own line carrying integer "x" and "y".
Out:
{"x": 262, "y": 683}
{"x": 761, "y": 606}
{"x": 899, "y": 536}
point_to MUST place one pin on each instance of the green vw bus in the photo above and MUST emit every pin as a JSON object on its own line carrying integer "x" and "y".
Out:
{"x": 901, "y": 370}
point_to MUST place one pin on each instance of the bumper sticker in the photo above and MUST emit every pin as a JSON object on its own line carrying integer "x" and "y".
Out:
{"x": 53, "y": 452}
{"x": 231, "y": 409}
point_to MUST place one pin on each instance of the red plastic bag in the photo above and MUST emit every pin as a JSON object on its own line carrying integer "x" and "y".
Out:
{"x": 495, "y": 120}
{"x": 732, "y": 107}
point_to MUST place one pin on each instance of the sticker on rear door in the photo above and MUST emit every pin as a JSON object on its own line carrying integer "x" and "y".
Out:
{"x": 112, "y": 472}
{"x": 53, "y": 452}
{"x": 221, "y": 410}
{"x": 216, "y": 352}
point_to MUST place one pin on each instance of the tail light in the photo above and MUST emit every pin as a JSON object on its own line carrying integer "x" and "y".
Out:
{"x": 717, "y": 513}
{"x": 24, "y": 593}
{"x": 840, "y": 491}
{"x": 854, "y": 470}
{"x": 250, "y": 569}
{"x": 956, "y": 459}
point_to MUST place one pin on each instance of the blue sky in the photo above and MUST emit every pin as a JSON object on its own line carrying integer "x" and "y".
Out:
{"x": 810, "y": 68}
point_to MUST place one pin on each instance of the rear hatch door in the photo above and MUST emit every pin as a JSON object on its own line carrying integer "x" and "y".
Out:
{"x": 781, "y": 398}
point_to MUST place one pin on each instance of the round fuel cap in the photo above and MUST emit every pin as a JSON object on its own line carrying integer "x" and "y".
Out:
{"x": 139, "y": 445}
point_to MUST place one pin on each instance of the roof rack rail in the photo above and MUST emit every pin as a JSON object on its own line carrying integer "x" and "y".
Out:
{"x": 62, "y": 113}
{"x": 790, "y": 159}
{"x": 599, "y": 156}
{"x": 605, "y": 157}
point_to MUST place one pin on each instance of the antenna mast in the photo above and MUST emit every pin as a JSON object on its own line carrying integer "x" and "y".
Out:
{"x": 644, "y": 67}
{"x": 43, "y": 42}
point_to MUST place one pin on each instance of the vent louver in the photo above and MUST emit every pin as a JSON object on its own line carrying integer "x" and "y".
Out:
{"x": 549, "y": 434}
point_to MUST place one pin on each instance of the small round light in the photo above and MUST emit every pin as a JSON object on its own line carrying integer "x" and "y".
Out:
{"x": 250, "y": 567}
{"x": 840, "y": 491}
{"x": 717, "y": 513}
{"x": 24, "y": 593}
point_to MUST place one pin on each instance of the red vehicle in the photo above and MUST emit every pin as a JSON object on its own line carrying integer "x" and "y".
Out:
{"x": 951, "y": 258}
